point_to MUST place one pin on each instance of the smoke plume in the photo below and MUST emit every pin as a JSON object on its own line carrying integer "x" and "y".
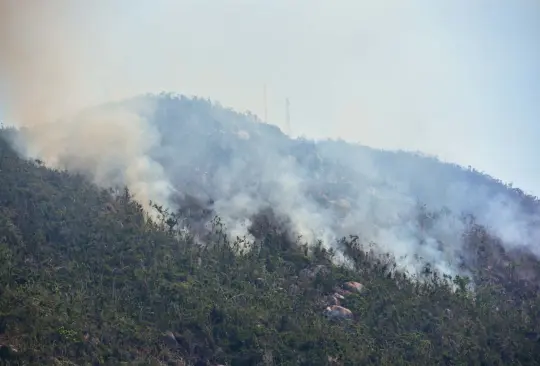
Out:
{"x": 162, "y": 147}
{"x": 48, "y": 74}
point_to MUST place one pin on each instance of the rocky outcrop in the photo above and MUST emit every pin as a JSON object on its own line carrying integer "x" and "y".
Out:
{"x": 338, "y": 312}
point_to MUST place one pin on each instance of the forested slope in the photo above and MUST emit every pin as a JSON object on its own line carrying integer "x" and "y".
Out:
{"x": 85, "y": 278}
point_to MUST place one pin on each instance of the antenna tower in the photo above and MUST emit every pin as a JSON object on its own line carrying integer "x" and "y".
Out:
{"x": 288, "y": 116}
{"x": 265, "y": 106}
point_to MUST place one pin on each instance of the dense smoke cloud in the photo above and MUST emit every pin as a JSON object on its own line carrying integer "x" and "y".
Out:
{"x": 409, "y": 205}
{"x": 48, "y": 73}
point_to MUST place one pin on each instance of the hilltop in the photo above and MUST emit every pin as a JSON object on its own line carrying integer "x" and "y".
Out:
{"x": 416, "y": 207}
{"x": 88, "y": 277}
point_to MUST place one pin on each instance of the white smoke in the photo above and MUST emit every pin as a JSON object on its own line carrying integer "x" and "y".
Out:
{"x": 331, "y": 189}
{"x": 328, "y": 190}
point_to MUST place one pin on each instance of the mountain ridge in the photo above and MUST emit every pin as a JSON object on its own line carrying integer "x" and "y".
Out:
{"x": 90, "y": 275}
{"x": 329, "y": 189}
{"x": 87, "y": 277}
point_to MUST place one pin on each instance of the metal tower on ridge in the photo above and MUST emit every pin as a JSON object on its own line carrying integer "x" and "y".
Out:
{"x": 265, "y": 106}
{"x": 287, "y": 116}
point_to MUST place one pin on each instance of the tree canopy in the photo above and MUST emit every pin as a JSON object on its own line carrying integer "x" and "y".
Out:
{"x": 87, "y": 277}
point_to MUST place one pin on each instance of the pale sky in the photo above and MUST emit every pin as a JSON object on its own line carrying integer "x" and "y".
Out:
{"x": 458, "y": 79}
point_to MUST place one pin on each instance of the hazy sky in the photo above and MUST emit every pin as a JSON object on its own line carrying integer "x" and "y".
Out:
{"x": 459, "y": 79}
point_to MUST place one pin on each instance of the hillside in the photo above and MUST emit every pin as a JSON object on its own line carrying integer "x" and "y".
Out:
{"x": 415, "y": 207}
{"x": 87, "y": 278}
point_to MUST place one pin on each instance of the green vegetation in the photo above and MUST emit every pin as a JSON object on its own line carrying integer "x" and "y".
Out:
{"x": 87, "y": 279}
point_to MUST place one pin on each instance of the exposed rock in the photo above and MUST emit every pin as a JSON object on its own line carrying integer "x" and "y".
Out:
{"x": 353, "y": 286}
{"x": 338, "y": 312}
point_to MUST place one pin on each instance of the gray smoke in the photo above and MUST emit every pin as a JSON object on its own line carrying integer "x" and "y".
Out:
{"x": 164, "y": 147}
{"x": 48, "y": 75}
{"x": 331, "y": 189}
